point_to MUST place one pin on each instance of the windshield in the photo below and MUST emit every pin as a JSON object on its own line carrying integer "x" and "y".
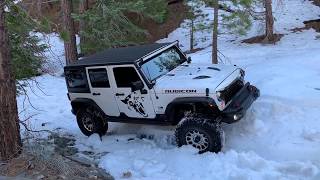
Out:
{"x": 162, "y": 63}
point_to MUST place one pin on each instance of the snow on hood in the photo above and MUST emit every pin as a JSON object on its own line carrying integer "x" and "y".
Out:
{"x": 194, "y": 77}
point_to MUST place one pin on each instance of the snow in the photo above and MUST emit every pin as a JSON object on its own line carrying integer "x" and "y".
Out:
{"x": 288, "y": 14}
{"x": 186, "y": 163}
{"x": 279, "y": 138}
{"x": 55, "y": 52}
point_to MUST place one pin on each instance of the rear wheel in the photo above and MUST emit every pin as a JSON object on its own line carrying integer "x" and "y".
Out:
{"x": 90, "y": 121}
{"x": 201, "y": 133}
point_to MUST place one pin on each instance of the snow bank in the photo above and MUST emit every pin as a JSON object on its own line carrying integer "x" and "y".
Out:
{"x": 185, "y": 163}
{"x": 48, "y": 104}
{"x": 288, "y": 14}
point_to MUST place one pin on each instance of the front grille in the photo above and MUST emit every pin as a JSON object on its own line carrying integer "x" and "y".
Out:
{"x": 232, "y": 90}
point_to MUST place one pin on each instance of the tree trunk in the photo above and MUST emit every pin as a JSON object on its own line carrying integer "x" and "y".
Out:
{"x": 192, "y": 35}
{"x": 39, "y": 8}
{"x": 215, "y": 33}
{"x": 269, "y": 21}
{"x": 83, "y": 7}
{"x": 70, "y": 46}
{"x": 10, "y": 141}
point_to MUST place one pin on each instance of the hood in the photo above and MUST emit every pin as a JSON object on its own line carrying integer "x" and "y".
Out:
{"x": 193, "y": 78}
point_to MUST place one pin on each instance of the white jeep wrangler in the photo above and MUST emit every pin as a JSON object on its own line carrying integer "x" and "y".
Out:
{"x": 157, "y": 84}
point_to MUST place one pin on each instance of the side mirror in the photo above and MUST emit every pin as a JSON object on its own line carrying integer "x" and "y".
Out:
{"x": 138, "y": 85}
{"x": 189, "y": 60}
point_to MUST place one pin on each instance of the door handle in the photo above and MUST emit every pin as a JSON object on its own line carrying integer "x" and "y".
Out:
{"x": 96, "y": 94}
{"x": 119, "y": 94}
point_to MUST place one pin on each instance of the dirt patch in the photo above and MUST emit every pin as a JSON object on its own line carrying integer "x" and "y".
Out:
{"x": 262, "y": 39}
{"x": 52, "y": 158}
{"x": 315, "y": 24}
{"x": 176, "y": 15}
{"x": 316, "y": 2}
{"x": 29, "y": 166}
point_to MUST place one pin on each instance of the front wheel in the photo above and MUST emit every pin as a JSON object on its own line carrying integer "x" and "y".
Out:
{"x": 200, "y": 133}
{"x": 91, "y": 121}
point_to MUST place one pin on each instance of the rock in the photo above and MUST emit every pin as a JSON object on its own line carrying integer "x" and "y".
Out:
{"x": 35, "y": 173}
{"x": 82, "y": 160}
{"x": 105, "y": 175}
{"x": 62, "y": 177}
{"x": 88, "y": 153}
{"x": 63, "y": 141}
{"x": 13, "y": 178}
{"x": 93, "y": 176}
{"x": 127, "y": 174}
{"x": 30, "y": 165}
{"x": 40, "y": 177}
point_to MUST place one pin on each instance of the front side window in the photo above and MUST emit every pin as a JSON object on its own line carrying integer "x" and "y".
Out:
{"x": 125, "y": 76}
{"x": 99, "y": 78}
{"x": 162, "y": 63}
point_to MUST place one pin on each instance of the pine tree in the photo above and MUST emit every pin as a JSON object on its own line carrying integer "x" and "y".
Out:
{"x": 26, "y": 47}
{"x": 269, "y": 21}
{"x": 83, "y": 7}
{"x": 10, "y": 140}
{"x": 107, "y": 24}
{"x": 240, "y": 20}
{"x": 237, "y": 20}
{"x": 215, "y": 32}
{"x": 155, "y": 9}
{"x": 195, "y": 17}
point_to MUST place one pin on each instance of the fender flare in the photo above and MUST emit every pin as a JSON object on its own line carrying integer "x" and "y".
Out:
{"x": 170, "y": 109}
{"x": 77, "y": 103}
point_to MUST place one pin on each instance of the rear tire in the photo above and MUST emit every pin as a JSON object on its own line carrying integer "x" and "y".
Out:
{"x": 200, "y": 133}
{"x": 90, "y": 121}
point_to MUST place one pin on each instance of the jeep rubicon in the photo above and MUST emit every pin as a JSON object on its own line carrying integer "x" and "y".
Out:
{"x": 158, "y": 84}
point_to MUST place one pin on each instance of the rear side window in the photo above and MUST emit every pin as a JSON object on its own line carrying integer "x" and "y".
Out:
{"x": 125, "y": 76}
{"x": 99, "y": 78}
{"x": 76, "y": 81}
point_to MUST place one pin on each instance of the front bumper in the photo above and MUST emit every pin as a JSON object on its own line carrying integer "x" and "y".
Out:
{"x": 240, "y": 103}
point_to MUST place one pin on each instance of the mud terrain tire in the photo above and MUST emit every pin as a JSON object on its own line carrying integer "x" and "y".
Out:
{"x": 201, "y": 133}
{"x": 91, "y": 121}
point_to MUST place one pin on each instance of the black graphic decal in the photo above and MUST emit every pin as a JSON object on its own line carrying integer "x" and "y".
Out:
{"x": 135, "y": 103}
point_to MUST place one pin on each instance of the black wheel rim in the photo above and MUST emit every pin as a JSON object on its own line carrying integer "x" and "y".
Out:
{"x": 88, "y": 123}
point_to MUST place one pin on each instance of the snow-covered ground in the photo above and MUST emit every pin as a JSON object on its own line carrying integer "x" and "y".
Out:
{"x": 278, "y": 139}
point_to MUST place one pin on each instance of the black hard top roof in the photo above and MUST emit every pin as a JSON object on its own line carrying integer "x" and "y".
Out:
{"x": 123, "y": 55}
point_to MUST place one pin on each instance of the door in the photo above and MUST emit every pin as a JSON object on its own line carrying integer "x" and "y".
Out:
{"x": 135, "y": 104}
{"x": 101, "y": 91}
